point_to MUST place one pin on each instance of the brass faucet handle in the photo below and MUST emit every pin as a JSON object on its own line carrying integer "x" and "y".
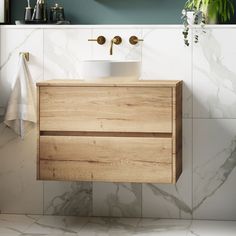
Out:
{"x": 117, "y": 40}
{"x": 100, "y": 40}
{"x": 134, "y": 40}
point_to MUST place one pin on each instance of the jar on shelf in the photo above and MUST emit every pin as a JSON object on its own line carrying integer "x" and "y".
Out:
{"x": 57, "y": 13}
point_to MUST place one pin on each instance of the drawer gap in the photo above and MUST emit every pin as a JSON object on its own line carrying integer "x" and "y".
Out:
{"x": 105, "y": 134}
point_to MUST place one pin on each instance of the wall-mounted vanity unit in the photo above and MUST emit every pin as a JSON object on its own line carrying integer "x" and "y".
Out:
{"x": 111, "y": 132}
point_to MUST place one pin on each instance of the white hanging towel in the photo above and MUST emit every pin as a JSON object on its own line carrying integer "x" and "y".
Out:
{"x": 21, "y": 109}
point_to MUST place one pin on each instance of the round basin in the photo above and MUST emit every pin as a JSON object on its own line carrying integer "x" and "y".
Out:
{"x": 105, "y": 69}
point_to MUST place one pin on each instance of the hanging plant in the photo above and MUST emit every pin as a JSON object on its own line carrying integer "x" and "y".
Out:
{"x": 192, "y": 17}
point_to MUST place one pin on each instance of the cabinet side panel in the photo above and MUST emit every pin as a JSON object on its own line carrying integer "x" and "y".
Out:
{"x": 38, "y": 133}
{"x": 177, "y": 132}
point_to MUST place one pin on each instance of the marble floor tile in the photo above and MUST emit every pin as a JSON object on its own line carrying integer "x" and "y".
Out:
{"x": 21, "y": 225}
{"x": 14, "y": 225}
{"x": 57, "y": 225}
{"x": 212, "y": 228}
{"x": 162, "y": 227}
{"x": 109, "y": 227}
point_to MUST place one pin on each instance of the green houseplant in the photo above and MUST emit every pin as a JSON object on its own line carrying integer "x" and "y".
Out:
{"x": 212, "y": 9}
{"x": 205, "y": 11}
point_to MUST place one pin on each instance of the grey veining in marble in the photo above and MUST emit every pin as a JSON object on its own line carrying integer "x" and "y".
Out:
{"x": 171, "y": 198}
{"x": 117, "y": 199}
{"x": 209, "y": 74}
{"x": 14, "y": 50}
{"x": 20, "y": 225}
{"x": 217, "y": 177}
{"x": 214, "y": 75}
{"x": 65, "y": 198}
{"x": 214, "y": 169}
{"x": 129, "y": 209}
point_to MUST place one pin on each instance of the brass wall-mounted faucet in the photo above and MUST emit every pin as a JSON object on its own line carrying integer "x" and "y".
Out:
{"x": 100, "y": 40}
{"x": 116, "y": 40}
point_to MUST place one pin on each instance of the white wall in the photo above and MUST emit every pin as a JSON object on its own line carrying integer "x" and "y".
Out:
{"x": 206, "y": 189}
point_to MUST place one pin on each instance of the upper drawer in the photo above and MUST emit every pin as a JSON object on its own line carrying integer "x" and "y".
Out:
{"x": 115, "y": 109}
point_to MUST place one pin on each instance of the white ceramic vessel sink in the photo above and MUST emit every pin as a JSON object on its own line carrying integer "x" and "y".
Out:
{"x": 114, "y": 70}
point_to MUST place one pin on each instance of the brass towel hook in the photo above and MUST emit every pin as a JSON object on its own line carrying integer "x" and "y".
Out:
{"x": 25, "y": 54}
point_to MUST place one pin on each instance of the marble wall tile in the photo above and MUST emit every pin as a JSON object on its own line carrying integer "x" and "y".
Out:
{"x": 165, "y": 57}
{"x": 214, "y": 172}
{"x": 20, "y": 192}
{"x": 124, "y": 51}
{"x": 14, "y": 41}
{"x": 63, "y": 52}
{"x": 57, "y": 53}
{"x": 172, "y": 201}
{"x": 117, "y": 199}
{"x": 214, "y": 74}
{"x": 67, "y": 198}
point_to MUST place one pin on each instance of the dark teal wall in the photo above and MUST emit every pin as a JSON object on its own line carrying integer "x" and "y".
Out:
{"x": 113, "y": 11}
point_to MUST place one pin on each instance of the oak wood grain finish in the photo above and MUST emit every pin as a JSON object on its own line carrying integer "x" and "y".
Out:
{"x": 38, "y": 132}
{"x": 111, "y": 83}
{"x": 105, "y": 134}
{"x": 177, "y": 118}
{"x": 112, "y": 132}
{"x": 123, "y": 150}
{"x": 132, "y": 109}
{"x": 177, "y": 133}
{"x": 106, "y": 172}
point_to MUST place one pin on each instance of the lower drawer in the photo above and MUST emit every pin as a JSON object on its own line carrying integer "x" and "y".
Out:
{"x": 111, "y": 159}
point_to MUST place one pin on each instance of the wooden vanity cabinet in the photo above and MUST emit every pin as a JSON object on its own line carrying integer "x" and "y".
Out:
{"x": 111, "y": 132}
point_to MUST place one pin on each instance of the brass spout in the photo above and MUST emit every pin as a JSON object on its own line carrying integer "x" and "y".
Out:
{"x": 116, "y": 40}
{"x": 111, "y": 48}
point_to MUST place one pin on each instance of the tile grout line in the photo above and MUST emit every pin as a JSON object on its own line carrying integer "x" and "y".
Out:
{"x": 141, "y": 72}
{"x": 192, "y": 58}
{"x": 43, "y": 80}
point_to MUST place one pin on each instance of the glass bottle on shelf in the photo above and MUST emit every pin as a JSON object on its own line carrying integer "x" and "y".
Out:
{"x": 4, "y": 12}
